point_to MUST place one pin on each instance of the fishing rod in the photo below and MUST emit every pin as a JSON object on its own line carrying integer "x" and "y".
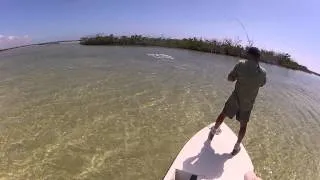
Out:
{"x": 250, "y": 42}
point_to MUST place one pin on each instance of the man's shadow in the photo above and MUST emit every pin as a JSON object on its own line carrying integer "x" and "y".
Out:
{"x": 207, "y": 163}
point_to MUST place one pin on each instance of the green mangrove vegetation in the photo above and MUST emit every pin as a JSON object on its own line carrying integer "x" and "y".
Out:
{"x": 225, "y": 47}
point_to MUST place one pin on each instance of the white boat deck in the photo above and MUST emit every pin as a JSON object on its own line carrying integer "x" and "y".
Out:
{"x": 210, "y": 161}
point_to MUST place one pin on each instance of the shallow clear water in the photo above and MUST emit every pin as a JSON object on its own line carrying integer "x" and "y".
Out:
{"x": 78, "y": 112}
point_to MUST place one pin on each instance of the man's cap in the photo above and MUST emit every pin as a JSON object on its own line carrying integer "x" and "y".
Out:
{"x": 253, "y": 51}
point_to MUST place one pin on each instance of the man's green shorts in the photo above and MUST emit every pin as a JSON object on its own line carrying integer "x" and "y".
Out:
{"x": 232, "y": 108}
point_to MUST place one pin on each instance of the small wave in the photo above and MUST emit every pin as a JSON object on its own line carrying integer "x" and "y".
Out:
{"x": 160, "y": 56}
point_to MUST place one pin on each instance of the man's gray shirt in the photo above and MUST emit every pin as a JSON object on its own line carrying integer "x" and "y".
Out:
{"x": 250, "y": 77}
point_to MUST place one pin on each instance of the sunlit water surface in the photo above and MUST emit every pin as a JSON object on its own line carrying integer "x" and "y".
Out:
{"x": 79, "y": 112}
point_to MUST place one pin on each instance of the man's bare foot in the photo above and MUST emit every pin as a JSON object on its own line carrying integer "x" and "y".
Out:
{"x": 213, "y": 132}
{"x": 236, "y": 149}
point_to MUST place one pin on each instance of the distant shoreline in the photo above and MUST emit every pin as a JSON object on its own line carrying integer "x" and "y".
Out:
{"x": 39, "y": 44}
{"x": 227, "y": 47}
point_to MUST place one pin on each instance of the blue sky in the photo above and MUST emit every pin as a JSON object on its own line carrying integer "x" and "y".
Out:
{"x": 291, "y": 26}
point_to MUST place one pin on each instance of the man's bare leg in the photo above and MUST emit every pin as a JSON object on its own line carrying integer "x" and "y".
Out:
{"x": 219, "y": 121}
{"x": 242, "y": 132}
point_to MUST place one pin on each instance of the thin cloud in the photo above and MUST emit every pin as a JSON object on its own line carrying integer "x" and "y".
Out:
{"x": 13, "y": 41}
{"x": 11, "y": 37}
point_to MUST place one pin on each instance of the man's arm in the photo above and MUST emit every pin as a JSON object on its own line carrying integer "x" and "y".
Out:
{"x": 264, "y": 78}
{"x": 233, "y": 75}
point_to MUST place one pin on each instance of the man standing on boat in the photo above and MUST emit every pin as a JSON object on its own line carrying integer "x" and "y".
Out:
{"x": 249, "y": 77}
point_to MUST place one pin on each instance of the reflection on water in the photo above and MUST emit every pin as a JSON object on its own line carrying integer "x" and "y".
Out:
{"x": 76, "y": 112}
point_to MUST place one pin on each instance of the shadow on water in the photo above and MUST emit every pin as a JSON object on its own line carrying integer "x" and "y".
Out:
{"x": 203, "y": 162}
